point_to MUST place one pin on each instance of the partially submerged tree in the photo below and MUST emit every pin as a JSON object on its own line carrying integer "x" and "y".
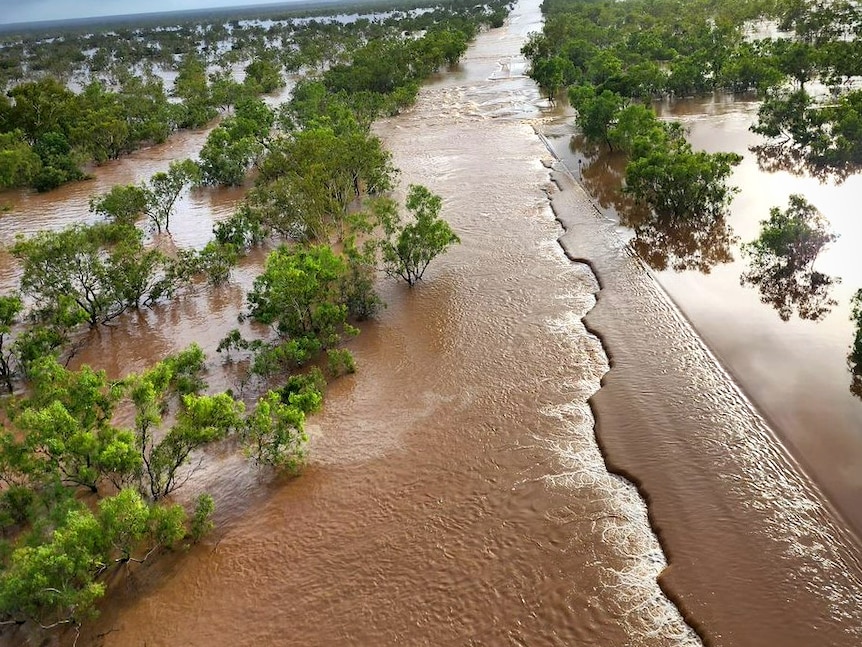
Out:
{"x": 123, "y": 204}
{"x": 408, "y": 248}
{"x": 11, "y": 307}
{"x": 854, "y": 357}
{"x": 274, "y": 434}
{"x": 781, "y": 261}
{"x": 164, "y": 188}
{"x": 666, "y": 175}
{"x": 102, "y": 269}
{"x": 299, "y": 295}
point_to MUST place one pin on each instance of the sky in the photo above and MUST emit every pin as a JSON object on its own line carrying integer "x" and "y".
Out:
{"x": 12, "y": 11}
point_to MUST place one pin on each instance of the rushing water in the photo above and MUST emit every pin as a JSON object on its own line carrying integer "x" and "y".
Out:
{"x": 456, "y": 492}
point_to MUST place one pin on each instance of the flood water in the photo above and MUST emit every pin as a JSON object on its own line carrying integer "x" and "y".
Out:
{"x": 795, "y": 369}
{"x": 456, "y": 492}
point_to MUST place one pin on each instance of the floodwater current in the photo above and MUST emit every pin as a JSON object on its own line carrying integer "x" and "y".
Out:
{"x": 456, "y": 493}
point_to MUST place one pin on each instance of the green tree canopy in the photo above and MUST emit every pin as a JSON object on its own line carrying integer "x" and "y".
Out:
{"x": 781, "y": 261}
{"x": 408, "y": 248}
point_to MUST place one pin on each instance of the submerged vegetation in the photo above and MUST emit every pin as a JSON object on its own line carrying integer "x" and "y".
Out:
{"x": 614, "y": 59}
{"x": 781, "y": 261}
{"x": 74, "y": 99}
{"x": 90, "y": 463}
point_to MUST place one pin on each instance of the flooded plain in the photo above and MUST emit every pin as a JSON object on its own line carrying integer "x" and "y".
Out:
{"x": 456, "y": 492}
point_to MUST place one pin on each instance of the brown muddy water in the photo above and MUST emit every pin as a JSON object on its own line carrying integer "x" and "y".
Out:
{"x": 456, "y": 493}
{"x": 795, "y": 370}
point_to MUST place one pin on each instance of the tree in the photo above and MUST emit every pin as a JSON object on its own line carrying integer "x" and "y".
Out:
{"x": 58, "y": 165}
{"x": 40, "y": 107}
{"x": 201, "y": 420}
{"x": 19, "y": 163}
{"x": 597, "y": 112}
{"x": 191, "y": 86}
{"x": 408, "y": 249}
{"x": 781, "y": 261}
{"x": 263, "y": 75}
{"x": 225, "y": 161}
{"x": 310, "y": 177}
{"x": 233, "y": 147}
{"x": 667, "y": 176}
{"x": 275, "y": 435}
{"x": 854, "y": 357}
{"x": 631, "y": 123}
{"x": 224, "y": 90}
{"x": 68, "y": 431}
{"x": 103, "y": 269}
{"x": 299, "y": 294}
{"x": 10, "y": 307}
{"x": 551, "y": 75}
{"x": 54, "y": 582}
{"x": 57, "y": 581}
{"x": 122, "y": 204}
{"x": 68, "y": 263}
{"x": 164, "y": 188}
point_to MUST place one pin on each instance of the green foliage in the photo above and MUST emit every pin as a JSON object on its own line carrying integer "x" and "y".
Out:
{"x": 597, "y": 112}
{"x": 67, "y": 430}
{"x": 304, "y": 391}
{"x": 57, "y": 581}
{"x": 216, "y": 260}
{"x": 242, "y": 230}
{"x": 123, "y": 204}
{"x": 99, "y": 271}
{"x": 781, "y": 261}
{"x": 196, "y": 109}
{"x": 633, "y": 122}
{"x": 186, "y": 369}
{"x": 224, "y": 91}
{"x": 263, "y": 75}
{"x": 408, "y": 249}
{"x": 310, "y": 177}
{"x": 299, "y": 295}
{"x": 234, "y": 146}
{"x": 201, "y": 522}
{"x": 58, "y": 165}
{"x": 552, "y": 75}
{"x": 340, "y": 361}
{"x": 282, "y": 356}
{"x": 165, "y": 187}
{"x": 357, "y": 288}
{"x": 11, "y": 307}
{"x": 40, "y": 107}
{"x": 854, "y": 358}
{"x": 202, "y": 419}
{"x": 275, "y": 435}
{"x": 667, "y": 176}
{"x": 19, "y": 163}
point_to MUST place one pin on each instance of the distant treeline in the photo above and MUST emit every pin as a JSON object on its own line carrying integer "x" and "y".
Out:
{"x": 639, "y": 50}
{"x": 50, "y": 133}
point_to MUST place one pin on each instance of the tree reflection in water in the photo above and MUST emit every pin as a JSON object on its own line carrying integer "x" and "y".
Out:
{"x": 781, "y": 262}
{"x": 854, "y": 358}
{"x": 663, "y": 242}
{"x": 784, "y": 156}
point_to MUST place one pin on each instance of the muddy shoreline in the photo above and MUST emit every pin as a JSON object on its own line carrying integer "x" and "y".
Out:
{"x": 766, "y": 541}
